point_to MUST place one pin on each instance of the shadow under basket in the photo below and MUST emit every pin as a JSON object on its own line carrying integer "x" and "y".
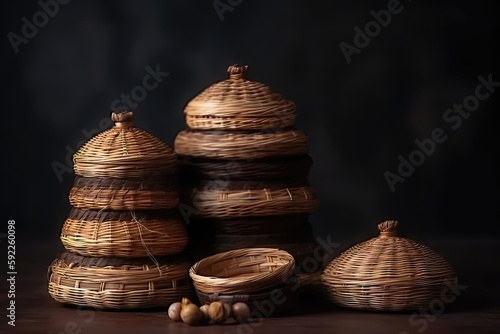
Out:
{"x": 276, "y": 301}
{"x": 116, "y": 283}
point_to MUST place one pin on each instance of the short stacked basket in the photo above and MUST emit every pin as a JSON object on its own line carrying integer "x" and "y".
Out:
{"x": 244, "y": 170}
{"x": 123, "y": 235}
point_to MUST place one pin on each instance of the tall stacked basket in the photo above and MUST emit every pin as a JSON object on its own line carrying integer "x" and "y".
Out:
{"x": 244, "y": 170}
{"x": 123, "y": 237}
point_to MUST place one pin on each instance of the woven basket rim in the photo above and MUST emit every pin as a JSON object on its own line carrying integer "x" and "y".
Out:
{"x": 250, "y": 282}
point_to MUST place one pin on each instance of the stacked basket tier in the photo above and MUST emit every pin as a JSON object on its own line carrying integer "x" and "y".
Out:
{"x": 124, "y": 233}
{"x": 243, "y": 168}
{"x": 116, "y": 283}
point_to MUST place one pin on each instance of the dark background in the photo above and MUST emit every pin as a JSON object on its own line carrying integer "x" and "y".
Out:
{"x": 359, "y": 116}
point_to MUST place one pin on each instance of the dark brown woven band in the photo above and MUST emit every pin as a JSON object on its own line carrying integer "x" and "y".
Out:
{"x": 249, "y": 225}
{"x": 142, "y": 215}
{"x": 87, "y": 261}
{"x": 154, "y": 183}
{"x": 242, "y": 169}
{"x": 224, "y": 132}
{"x": 260, "y": 240}
{"x": 249, "y": 185}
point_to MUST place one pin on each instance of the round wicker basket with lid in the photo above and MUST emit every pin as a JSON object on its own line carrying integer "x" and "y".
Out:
{"x": 124, "y": 152}
{"x": 388, "y": 273}
{"x": 239, "y": 104}
{"x": 240, "y": 119}
{"x": 124, "y": 168}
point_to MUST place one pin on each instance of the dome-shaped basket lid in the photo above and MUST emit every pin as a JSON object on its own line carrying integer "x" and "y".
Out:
{"x": 238, "y": 103}
{"x": 387, "y": 272}
{"x": 124, "y": 152}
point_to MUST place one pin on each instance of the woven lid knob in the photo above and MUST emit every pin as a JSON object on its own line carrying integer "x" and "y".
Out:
{"x": 237, "y": 71}
{"x": 388, "y": 228}
{"x": 122, "y": 119}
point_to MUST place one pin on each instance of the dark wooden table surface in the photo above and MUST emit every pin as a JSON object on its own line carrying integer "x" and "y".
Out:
{"x": 476, "y": 310}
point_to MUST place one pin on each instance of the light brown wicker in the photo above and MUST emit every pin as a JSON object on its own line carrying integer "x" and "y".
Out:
{"x": 242, "y": 271}
{"x": 258, "y": 203}
{"x": 111, "y": 199}
{"x": 96, "y": 193}
{"x": 229, "y": 145}
{"x": 239, "y": 104}
{"x": 127, "y": 234}
{"x": 387, "y": 273}
{"x": 115, "y": 283}
{"x": 124, "y": 152}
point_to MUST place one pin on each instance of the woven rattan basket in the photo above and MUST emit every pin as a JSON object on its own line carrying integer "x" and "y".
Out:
{"x": 124, "y": 152}
{"x": 115, "y": 283}
{"x": 388, "y": 273}
{"x": 124, "y": 234}
{"x": 253, "y": 202}
{"x": 240, "y": 145}
{"x": 242, "y": 271}
{"x": 96, "y": 193}
{"x": 239, "y": 104}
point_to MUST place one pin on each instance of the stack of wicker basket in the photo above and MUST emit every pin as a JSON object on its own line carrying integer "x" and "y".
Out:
{"x": 123, "y": 235}
{"x": 244, "y": 170}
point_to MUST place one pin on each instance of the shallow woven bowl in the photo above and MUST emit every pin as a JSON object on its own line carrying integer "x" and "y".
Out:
{"x": 124, "y": 234}
{"x": 256, "y": 169}
{"x": 115, "y": 283}
{"x": 388, "y": 273}
{"x": 242, "y": 271}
